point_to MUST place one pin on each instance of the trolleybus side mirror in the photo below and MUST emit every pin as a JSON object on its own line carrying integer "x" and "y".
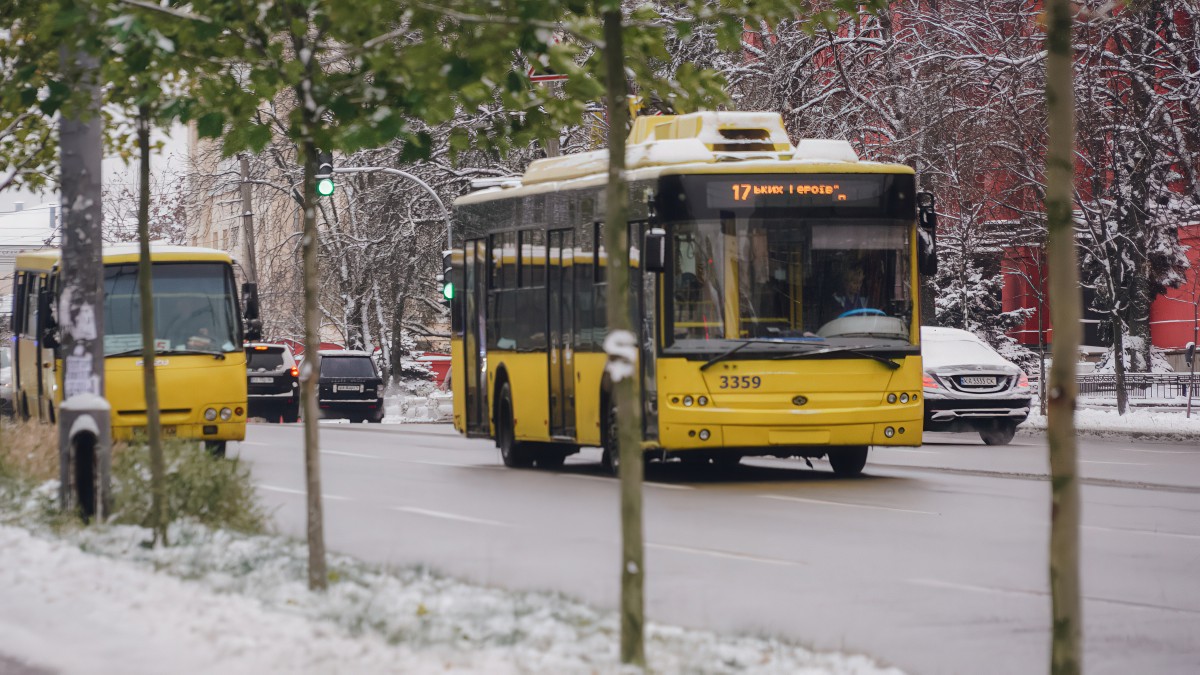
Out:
{"x": 250, "y": 311}
{"x": 654, "y": 252}
{"x": 926, "y": 234}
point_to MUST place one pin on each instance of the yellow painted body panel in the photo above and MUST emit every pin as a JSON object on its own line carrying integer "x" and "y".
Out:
{"x": 589, "y": 378}
{"x": 840, "y": 394}
{"x": 187, "y": 385}
{"x": 458, "y": 384}
{"x": 529, "y": 377}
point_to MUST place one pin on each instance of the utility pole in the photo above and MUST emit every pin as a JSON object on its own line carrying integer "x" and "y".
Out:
{"x": 84, "y": 420}
{"x": 248, "y": 221}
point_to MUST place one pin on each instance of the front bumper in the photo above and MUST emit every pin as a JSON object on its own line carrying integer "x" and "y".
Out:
{"x": 951, "y": 411}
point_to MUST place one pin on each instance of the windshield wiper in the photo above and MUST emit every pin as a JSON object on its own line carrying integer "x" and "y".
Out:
{"x": 745, "y": 343}
{"x": 851, "y": 350}
{"x": 220, "y": 356}
{"x": 138, "y": 352}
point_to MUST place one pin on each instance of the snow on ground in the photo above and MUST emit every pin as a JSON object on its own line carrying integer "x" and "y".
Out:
{"x": 96, "y": 600}
{"x": 1158, "y": 424}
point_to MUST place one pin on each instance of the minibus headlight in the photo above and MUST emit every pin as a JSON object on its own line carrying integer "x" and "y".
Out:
{"x": 210, "y": 414}
{"x": 226, "y": 414}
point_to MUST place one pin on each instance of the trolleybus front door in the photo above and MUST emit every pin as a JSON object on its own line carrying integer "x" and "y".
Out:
{"x": 474, "y": 339}
{"x": 560, "y": 275}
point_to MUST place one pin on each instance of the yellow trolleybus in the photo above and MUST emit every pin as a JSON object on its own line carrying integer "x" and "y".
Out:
{"x": 200, "y": 363}
{"x": 779, "y": 314}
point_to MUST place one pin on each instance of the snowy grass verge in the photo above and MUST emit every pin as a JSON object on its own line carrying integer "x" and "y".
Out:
{"x": 1145, "y": 424}
{"x": 372, "y": 619}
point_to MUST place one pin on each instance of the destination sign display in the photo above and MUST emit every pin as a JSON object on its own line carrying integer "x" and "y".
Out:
{"x": 797, "y": 191}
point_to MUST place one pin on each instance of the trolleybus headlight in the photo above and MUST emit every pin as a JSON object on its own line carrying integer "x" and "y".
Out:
{"x": 904, "y": 398}
{"x": 226, "y": 414}
{"x": 889, "y": 432}
{"x": 891, "y": 398}
{"x": 210, "y": 414}
{"x": 703, "y": 400}
{"x": 704, "y": 434}
{"x": 687, "y": 400}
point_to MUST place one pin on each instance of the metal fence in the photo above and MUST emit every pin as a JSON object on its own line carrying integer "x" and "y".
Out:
{"x": 1153, "y": 386}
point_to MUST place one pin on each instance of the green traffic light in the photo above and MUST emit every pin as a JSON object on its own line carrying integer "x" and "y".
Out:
{"x": 325, "y": 187}
{"x": 448, "y": 291}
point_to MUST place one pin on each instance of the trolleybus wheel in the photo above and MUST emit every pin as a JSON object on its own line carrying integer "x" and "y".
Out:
{"x": 512, "y": 451}
{"x": 848, "y": 461}
{"x": 1000, "y": 433}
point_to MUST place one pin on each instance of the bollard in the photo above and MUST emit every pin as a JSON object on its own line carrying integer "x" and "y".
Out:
{"x": 85, "y": 456}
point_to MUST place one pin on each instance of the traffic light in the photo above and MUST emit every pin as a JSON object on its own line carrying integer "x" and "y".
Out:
{"x": 325, "y": 174}
{"x": 446, "y": 280}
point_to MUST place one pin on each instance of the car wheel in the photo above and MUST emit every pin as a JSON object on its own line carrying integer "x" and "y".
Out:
{"x": 215, "y": 448}
{"x": 848, "y": 461}
{"x": 1000, "y": 433}
{"x": 513, "y": 452}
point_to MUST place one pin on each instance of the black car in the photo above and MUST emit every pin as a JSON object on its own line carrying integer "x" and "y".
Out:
{"x": 349, "y": 387}
{"x": 272, "y": 382}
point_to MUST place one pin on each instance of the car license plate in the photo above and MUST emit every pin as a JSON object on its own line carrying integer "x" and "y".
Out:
{"x": 167, "y": 430}
{"x": 261, "y": 380}
{"x": 347, "y": 387}
{"x": 977, "y": 380}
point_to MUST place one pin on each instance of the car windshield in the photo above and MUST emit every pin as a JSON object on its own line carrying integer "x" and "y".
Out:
{"x": 194, "y": 308}
{"x": 959, "y": 352}
{"x": 264, "y": 359}
{"x": 347, "y": 366}
{"x": 781, "y": 284}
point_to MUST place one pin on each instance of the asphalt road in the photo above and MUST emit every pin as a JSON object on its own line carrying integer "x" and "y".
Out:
{"x": 935, "y": 560}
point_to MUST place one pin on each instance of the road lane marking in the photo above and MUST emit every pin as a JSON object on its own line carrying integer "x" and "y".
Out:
{"x": 971, "y": 588}
{"x": 349, "y": 454}
{"x": 1126, "y": 530}
{"x": 610, "y": 480}
{"x": 1096, "y": 461}
{"x": 257, "y": 443}
{"x": 923, "y": 452}
{"x": 853, "y": 506}
{"x": 448, "y": 516}
{"x": 290, "y": 491}
{"x": 724, "y": 554}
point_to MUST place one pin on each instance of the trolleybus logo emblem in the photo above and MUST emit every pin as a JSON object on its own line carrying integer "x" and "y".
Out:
{"x": 799, "y": 400}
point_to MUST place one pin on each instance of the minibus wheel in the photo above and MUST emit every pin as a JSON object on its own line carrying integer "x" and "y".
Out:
{"x": 215, "y": 448}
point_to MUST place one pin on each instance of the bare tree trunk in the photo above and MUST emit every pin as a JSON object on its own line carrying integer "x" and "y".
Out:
{"x": 1065, "y": 308}
{"x": 626, "y": 388}
{"x": 317, "y": 577}
{"x": 1118, "y": 338}
{"x": 158, "y": 470}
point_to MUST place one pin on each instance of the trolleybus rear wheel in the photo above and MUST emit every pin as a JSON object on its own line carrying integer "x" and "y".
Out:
{"x": 848, "y": 461}
{"x": 514, "y": 453}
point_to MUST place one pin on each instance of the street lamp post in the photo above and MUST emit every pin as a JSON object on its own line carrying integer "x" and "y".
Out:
{"x": 415, "y": 179}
